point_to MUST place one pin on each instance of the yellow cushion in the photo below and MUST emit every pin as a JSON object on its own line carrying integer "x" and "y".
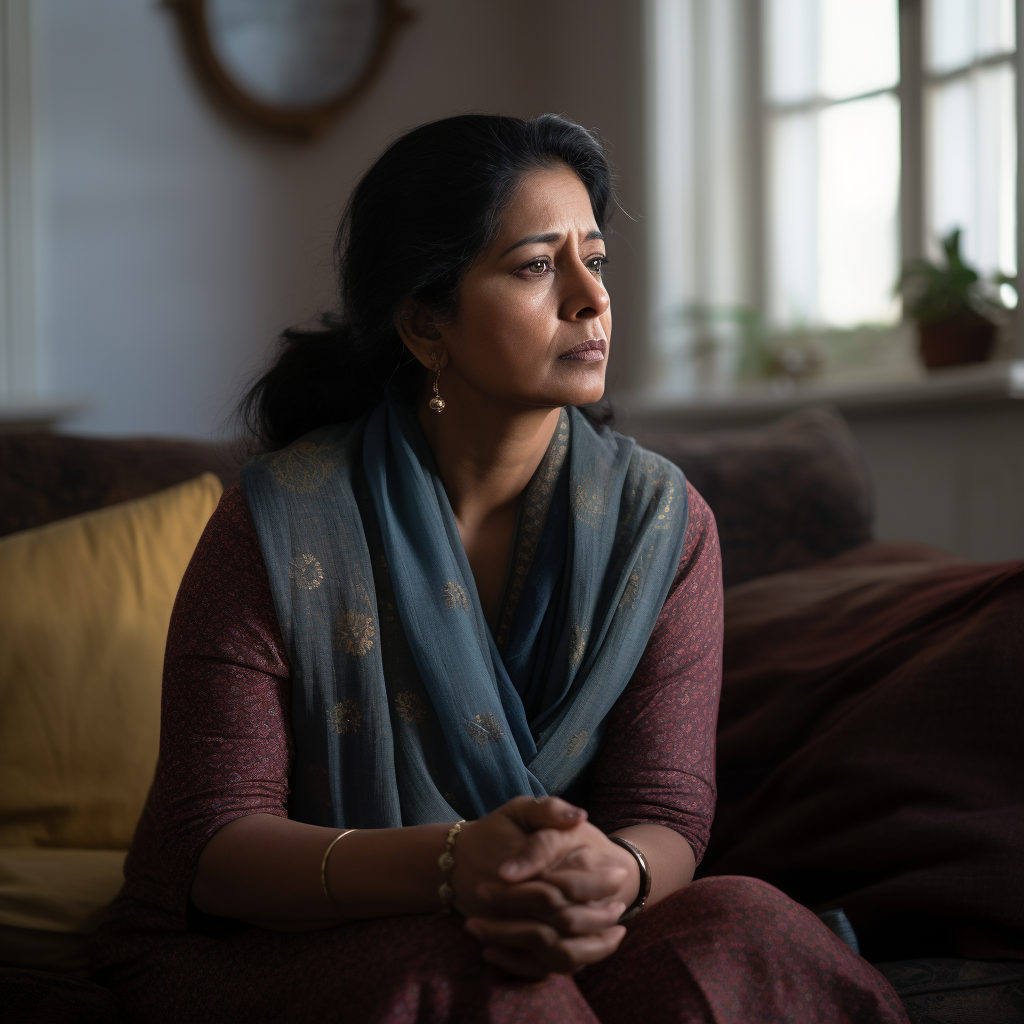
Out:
{"x": 50, "y": 900}
{"x": 58, "y": 890}
{"x": 84, "y": 609}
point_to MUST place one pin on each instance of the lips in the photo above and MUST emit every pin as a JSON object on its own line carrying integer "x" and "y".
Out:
{"x": 591, "y": 351}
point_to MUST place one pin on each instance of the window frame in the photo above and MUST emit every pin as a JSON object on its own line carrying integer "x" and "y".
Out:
{"x": 20, "y": 363}
{"x": 910, "y": 90}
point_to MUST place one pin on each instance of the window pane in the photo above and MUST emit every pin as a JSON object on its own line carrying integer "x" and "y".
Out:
{"x": 961, "y": 31}
{"x": 858, "y": 204}
{"x": 791, "y": 32}
{"x": 834, "y": 204}
{"x": 859, "y": 46}
{"x": 973, "y": 160}
{"x": 833, "y": 48}
{"x": 793, "y": 235}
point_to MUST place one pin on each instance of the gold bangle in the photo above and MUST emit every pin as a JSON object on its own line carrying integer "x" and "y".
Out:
{"x": 446, "y": 862}
{"x": 323, "y": 866}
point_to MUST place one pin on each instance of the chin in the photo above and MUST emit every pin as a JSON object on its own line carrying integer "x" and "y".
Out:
{"x": 578, "y": 395}
{"x": 588, "y": 387}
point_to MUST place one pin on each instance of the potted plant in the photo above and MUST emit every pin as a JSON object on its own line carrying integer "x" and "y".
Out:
{"x": 956, "y": 320}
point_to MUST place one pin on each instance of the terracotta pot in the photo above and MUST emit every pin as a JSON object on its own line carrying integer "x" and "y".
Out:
{"x": 966, "y": 338}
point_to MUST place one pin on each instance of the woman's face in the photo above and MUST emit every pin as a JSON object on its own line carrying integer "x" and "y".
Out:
{"x": 534, "y": 320}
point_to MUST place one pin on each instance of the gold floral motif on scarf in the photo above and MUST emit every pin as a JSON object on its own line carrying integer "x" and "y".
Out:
{"x": 632, "y": 589}
{"x": 658, "y": 479}
{"x": 301, "y": 468}
{"x": 577, "y": 743}
{"x": 345, "y": 717}
{"x": 455, "y": 596}
{"x": 577, "y": 643}
{"x": 306, "y": 572}
{"x": 355, "y": 633}
{"x": 484, "y": 729}
{"x": 410, "y": 707}
{"x": 588, "y": 505}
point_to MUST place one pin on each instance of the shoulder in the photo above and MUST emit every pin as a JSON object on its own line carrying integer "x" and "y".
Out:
{"x": 697, "y": 585}
{"x": 701, "y": 530}
{"x": 229, "y": 532}
{"x": 224, "y": 607}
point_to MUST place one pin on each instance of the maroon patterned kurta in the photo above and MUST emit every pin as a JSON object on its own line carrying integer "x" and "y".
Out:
{"x": 722, "y": 949}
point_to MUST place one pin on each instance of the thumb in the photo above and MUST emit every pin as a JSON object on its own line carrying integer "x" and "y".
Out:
{"x": 532, "y": 814}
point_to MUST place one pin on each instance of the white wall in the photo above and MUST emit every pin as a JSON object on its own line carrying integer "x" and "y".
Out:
{"x": 175, "y": 242}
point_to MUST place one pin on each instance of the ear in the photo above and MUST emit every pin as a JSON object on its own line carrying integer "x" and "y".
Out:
{"x": 419, "y": 334}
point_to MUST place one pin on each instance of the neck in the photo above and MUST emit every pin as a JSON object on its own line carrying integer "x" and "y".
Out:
{"x": 486, "y": 453}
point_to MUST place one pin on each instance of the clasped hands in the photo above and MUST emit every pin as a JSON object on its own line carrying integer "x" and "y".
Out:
{"x": 541, "y": 888}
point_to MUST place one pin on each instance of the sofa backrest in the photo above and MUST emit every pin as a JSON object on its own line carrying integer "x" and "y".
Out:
{"x": 786, "y": 495}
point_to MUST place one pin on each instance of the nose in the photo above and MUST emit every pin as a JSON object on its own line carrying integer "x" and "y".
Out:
{"x": 586, "y": 297}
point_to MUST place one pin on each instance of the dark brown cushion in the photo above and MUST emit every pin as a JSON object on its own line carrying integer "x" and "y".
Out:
{"x": 784, "y": 496}
{"x": 869, "y": 747}
{"x": 46, "y": 476}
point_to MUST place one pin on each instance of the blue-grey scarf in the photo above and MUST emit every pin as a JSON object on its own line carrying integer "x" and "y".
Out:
{"x": 406, "y": 708}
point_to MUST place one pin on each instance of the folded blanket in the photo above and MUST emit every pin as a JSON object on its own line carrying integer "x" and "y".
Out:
{"x": 870, "y": 747}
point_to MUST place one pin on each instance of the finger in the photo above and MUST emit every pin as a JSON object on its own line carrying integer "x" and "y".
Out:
{"x": 538, "y": 901}
{"x": 532, "y": 898}
{"x": 575, "y": 921}
{"x": 569, "y": 955}
{"x": 543, "y": 850}
{"x": 587, "y": 886}
{"x": 515, "y": 961}
{"x": 531, "y": 936}
{"x": 531, "y": 814}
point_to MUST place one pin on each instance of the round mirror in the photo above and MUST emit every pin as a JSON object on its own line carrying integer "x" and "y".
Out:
{"x": 291, "y": 64}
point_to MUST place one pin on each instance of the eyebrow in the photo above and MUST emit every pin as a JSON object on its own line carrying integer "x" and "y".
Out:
{"x": 551, "y": 236}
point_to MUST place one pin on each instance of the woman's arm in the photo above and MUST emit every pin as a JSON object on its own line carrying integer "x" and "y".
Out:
{"x": 265, "y": 869}
{"x": 219, "y": 800}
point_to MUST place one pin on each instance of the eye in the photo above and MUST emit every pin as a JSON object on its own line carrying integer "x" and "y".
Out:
{"x": 538, "y": 266}
{"x": 596, "y": 263}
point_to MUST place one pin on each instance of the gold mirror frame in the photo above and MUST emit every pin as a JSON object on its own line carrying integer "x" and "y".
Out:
{"x": 302, "y": 123}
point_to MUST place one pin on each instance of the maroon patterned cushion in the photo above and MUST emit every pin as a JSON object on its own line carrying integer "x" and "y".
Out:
{"x": 46, "y": 476}
{"x": 785, "y": 496}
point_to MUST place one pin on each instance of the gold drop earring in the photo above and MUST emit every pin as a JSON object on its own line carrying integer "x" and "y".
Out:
{"x": 437, "y": 402}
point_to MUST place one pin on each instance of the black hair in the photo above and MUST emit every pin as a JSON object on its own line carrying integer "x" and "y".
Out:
{"x": 414, "y": 225}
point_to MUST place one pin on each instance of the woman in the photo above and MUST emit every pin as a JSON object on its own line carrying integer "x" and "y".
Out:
{"x": 443, "y": 593}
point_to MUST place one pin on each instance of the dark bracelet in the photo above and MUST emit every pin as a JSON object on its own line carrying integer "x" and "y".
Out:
{"x": 645, "y": 878}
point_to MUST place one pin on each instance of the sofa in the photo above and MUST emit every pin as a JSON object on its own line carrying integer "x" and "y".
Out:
{"x": 836, "y": 726}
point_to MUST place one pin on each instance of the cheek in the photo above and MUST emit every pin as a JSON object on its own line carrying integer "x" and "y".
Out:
{"x": 508, "y": 327}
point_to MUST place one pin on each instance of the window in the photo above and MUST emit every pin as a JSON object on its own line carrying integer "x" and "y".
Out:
{"x": 802, "y": 150}
{"x": 832, "y": 148}
{"x": 971, "y": 140}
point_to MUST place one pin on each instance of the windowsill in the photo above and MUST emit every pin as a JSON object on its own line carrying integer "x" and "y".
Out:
{"x": 38, "y": 413}
{"x": 956, "y": 386}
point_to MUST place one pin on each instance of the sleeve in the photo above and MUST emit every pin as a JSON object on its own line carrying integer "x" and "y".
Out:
{"x": 657, "y": 760}
{"x": 225, "y": 745}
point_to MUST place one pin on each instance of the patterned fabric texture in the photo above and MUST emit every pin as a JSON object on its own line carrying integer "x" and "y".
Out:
{"x": 358, "y": 763}
{"x": 784, "y": 496}
{"x": 721, "y": 951}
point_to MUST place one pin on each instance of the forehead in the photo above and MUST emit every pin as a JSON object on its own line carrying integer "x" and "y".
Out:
{"x": 548, "y": 199}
